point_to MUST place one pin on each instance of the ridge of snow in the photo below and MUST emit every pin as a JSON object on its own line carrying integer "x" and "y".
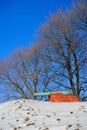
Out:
{"x": 38, "y": 115}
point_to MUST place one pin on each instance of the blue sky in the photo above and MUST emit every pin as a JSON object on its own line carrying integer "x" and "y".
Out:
{"x": 19, "y": 20}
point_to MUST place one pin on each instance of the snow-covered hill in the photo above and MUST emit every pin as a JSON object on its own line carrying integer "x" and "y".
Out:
{"x": 37, "y": 115}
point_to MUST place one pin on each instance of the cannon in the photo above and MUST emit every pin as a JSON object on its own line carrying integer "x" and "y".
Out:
{"x": 48, "y": 93}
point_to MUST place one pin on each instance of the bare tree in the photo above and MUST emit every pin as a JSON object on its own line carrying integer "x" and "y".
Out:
{"x": 79, "y": 21}
{"x": 21, "y": 75}
{"x": 66, "y": 49}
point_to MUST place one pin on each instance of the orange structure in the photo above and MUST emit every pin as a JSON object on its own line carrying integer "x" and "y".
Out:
{"x": 59, "y": 97}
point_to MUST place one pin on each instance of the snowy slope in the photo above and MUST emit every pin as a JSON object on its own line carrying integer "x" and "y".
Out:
{"x": 37, "y": 115}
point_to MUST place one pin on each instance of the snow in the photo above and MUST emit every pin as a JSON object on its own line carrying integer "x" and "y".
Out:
{"x": 37, "y": 115}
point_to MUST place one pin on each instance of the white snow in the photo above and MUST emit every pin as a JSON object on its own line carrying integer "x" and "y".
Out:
{"x": 38, "y": 115}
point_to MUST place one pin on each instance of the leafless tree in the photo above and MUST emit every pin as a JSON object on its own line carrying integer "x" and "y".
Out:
{"x": 66, "y": 51}
{"x": 79, "y": 14}
{"x": 22, "y": 74}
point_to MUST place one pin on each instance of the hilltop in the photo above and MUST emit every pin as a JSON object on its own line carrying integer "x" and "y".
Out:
{"x": 37, "y": 115}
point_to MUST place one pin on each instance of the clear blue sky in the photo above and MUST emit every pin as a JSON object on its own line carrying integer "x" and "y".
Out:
{"x": 19, "y": 20}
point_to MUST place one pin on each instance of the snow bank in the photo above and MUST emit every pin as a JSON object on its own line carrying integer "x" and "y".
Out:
{"x": 38, "y": 115}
